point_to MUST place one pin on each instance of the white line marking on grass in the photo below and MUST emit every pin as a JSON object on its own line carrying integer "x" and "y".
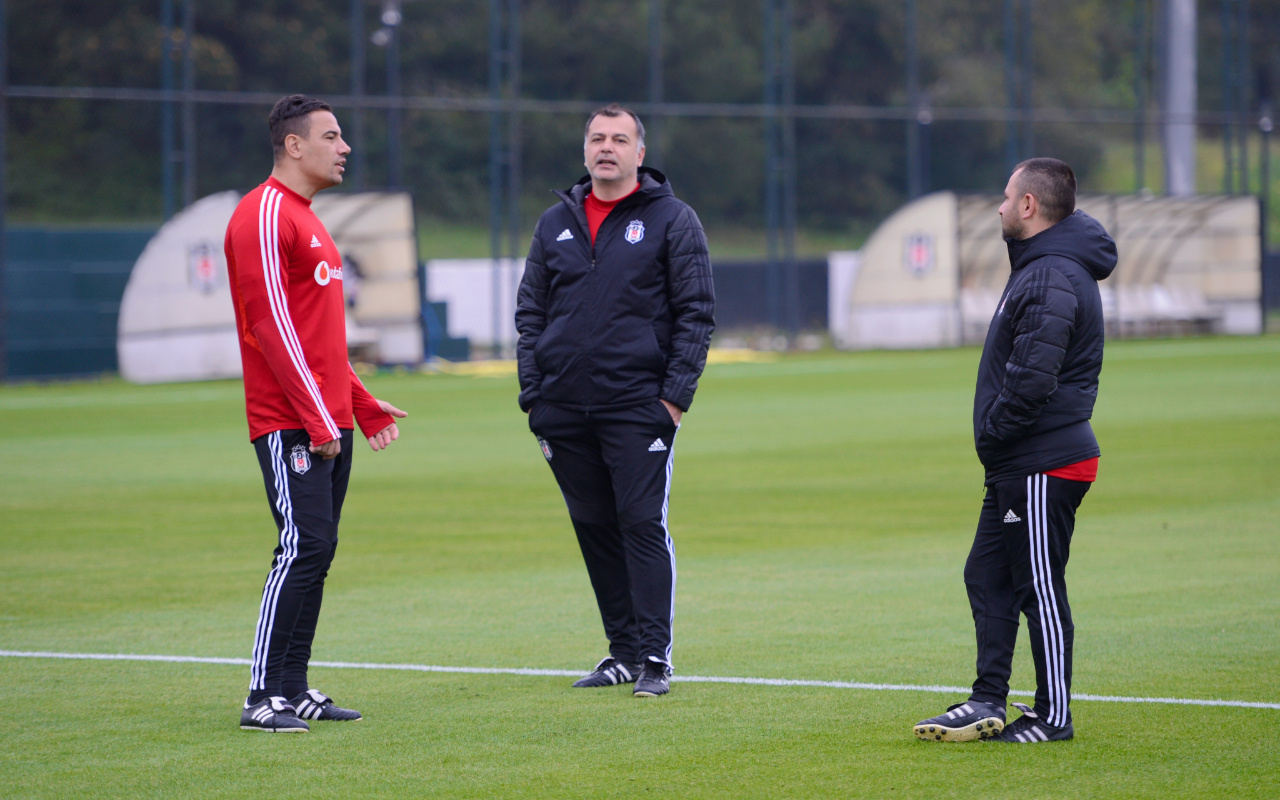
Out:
{"x": 566, "y": 673}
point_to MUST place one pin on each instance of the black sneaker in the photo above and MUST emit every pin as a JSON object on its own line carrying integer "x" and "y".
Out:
{"x": 314, "y": 705}
{"x": 655, "y": 679}
{"x": 609, "y": 672}
{"x": 1030, "y": 729}
{"x": 963, "y": 722}
{"x": 273, "y": 714}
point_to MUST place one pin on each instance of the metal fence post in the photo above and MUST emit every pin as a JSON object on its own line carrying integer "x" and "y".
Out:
{"x": 188, "y": 105}
{"x": 789, "y": 194}
{"x": 1028, "y": 56}
{"x": 496, "y": 217}
{"x": 772, "y": 191}
{"x": 1010, "y": 86}
{"x": 653, "y": 148}
{"x": 514, "y": 145}
{"x": 356, "y": 160}
{"x": 166, "y": 107}
{"x": 4, "y": 189}
{"x": 1140, "y": 39}
{"x": 1230, "y": 87}
{"x": 1270, "y": 261}
{"x": 914, "y": 184}
{"x": 391, "y": 18}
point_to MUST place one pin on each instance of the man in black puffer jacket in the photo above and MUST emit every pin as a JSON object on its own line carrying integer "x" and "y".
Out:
{"x": 1037, "y": 383}
{"x": 615, "y": 317}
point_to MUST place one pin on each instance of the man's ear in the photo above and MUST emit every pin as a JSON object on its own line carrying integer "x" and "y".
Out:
{"x": 293, "y": 145}
{"x": 1030, "y": 205}
{"x": 640, "y": 156}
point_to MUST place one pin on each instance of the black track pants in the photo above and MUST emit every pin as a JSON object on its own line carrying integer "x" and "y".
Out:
{"x": 614, "y": 470}
{"x": 306, "y": 493}
{"x": 1017, "y": 565}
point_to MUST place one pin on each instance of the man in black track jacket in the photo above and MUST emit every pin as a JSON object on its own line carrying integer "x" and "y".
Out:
{"x": 1037, "y": 383}
{"x": 615, "y": 317}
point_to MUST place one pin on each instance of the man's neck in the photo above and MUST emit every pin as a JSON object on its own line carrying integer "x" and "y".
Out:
{"x": 295, "y": 182}
{"x": 1035, "y": 226}
{"x": 609, "y": 191}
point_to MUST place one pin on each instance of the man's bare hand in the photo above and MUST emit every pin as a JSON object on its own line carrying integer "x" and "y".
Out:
{"x": 329, "y": 449}
{"x": 384, "y": 437}
{"x": 674, "y": 411}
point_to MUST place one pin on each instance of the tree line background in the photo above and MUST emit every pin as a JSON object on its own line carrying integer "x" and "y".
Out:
{"x": 73, "y": 160}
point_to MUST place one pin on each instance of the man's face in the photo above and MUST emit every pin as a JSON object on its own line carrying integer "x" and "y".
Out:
{"x": 1011, "y": 224}
{"x": 612, "y": 150}
{"x": 323, "y": 152}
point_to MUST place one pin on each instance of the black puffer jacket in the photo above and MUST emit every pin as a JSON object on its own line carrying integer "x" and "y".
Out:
{"x": 625, "y": 322}
{"x": 1038, "y": 378}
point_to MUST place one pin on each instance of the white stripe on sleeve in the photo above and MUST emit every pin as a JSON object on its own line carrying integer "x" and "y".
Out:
{"x": 269, "y": 241}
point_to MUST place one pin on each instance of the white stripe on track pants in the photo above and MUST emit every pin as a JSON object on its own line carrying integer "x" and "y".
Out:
{"x": 1017, "y": 567}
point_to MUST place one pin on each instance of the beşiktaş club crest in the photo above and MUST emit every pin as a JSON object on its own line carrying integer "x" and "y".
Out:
{"x": 203, "y": 266}
{"x": 918, "y": 254}
{"x": 546, "y": 448}
{"x": 300, "y": 459}
{"x": 635, "y": 231}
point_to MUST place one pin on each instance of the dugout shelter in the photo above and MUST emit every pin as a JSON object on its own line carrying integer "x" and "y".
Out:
{"x": 931, "y": 274}
{"x": 177, "y": 322}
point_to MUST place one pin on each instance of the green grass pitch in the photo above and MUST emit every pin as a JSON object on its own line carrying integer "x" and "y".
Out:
{"x": 822, "y": 509}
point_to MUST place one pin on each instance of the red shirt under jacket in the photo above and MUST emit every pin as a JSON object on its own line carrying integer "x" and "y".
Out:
{"x": 286, "y": 281}
{"x": 598, "y": 209}
{"x": 1086, "y": 471}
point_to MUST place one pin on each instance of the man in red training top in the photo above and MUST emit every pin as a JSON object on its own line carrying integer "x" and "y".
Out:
{"x": 300, "y": 395}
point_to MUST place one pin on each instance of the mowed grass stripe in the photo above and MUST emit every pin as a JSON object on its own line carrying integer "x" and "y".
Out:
{"x": 565, "y": 673}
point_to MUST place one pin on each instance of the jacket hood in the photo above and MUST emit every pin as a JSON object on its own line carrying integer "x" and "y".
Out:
{"x": 1079, "y": 237}
{"x": 652, "y": 183}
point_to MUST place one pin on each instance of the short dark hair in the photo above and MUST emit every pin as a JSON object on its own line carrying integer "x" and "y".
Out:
{"x": 615, "y": 110}
{"x": 290, "y": 115}
{"x": 1052, "y": 183}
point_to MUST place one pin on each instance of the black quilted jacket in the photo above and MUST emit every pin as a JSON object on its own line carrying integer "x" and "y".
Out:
{"x": 625, "y": 322}
{"x": 1038, "y": 378}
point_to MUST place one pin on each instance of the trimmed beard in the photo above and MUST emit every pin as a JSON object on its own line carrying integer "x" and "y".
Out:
{"x": 1013, "y": 230}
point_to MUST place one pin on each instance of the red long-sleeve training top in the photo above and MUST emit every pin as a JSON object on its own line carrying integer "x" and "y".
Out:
{"x": 286, "y": 281}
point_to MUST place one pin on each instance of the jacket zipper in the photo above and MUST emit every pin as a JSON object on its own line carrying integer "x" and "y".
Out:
{"x": 586, "y": 231}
